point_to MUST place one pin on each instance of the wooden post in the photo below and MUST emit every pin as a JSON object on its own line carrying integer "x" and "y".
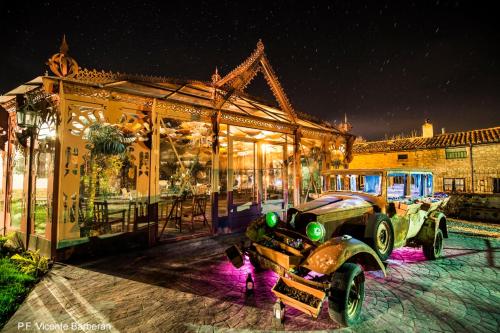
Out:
{"x": 9, "y": 174}
{"x": 29, "y": 196}
{"x": 230, "y": 174}
{"x": 285, "y": 178}
{"x": 215, "y": 170}
{"x": 298, "y": 167}
{"x": 53, "y": 236}
{"x": 259, "y": 174}
{"x": 154, "y": 176}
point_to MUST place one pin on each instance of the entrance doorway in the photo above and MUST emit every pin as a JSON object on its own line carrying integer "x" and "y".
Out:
{"x": 256, "y": 176}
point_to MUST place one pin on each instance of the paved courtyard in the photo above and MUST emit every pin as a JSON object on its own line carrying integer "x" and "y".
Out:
{"x": 190, "y": 287}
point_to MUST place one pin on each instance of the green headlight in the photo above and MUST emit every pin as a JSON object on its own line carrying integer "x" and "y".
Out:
{"x": 315, "y": 231}
{"x": 272, "y": 219}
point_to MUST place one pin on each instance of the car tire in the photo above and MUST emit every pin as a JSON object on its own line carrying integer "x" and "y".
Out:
{"x": 434, "y": 251}
{"x": 382, "y": 240}
{"x": 347, "y": 294}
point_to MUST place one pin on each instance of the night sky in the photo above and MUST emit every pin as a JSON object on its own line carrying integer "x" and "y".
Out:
{"x": 388, "y": 65}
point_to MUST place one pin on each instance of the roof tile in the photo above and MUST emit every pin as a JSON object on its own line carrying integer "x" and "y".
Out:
{"x": 480, "y": 136}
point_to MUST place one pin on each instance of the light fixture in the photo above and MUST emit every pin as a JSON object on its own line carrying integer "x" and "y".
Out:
{"x": 315, "y": 231}
{"x": 249, "y": 285}
{"x": 279, "y": 311}
{"x": 27, "y": 116}
{"x": 272, "y": 219}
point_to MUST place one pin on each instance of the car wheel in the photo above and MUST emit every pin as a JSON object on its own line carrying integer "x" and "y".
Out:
{"x": 383, "y": 238}
{"x": 347, "y": 294}
{"x": 435, "y": 250}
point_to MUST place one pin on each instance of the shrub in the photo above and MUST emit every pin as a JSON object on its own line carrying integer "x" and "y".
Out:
{"x": 14, "y": 285}
{"x": 31, "y": 262}
{"x": 10, "y": 245}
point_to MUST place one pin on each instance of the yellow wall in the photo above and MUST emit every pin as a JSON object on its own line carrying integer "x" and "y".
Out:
{"x": 486, "y": 164}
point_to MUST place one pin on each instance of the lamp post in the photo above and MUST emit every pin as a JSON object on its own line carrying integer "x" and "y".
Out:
{"x": 28, "y": 120}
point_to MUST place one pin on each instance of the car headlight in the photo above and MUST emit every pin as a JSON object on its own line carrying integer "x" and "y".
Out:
{"x": 315, "y": 231}
{"x": 272, "y": 219}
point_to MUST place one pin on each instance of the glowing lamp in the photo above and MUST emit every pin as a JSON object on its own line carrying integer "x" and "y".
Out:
{"x": 315, "y": 231}
{"x": 249, "y": 285}
{"x": 27, "y": 116}
{"x": 279, "y": 311}
{"x": 272, "y": 219}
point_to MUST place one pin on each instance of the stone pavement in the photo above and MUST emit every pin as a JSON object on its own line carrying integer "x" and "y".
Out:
{"x": 190, "y": 287}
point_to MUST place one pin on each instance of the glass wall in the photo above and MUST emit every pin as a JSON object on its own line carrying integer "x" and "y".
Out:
{"x": 44, "y": 164}
{"x": 311, "y": 159}
{"x": 273, "y": 175}
{"x": 17, "y": 202}
{"x": 108, "y": 176}
{"x": 185, "y": 158}
{"x": 244, "y": 175}
{"x": 186, "y": 175}
{"x": 223, "y": 173}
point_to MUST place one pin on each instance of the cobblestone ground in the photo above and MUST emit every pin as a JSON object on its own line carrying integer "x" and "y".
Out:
{"x": 190, "y": 287}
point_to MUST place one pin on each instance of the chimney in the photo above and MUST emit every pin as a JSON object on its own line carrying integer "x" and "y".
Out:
{"x": 442, "y": 130}
{"x": 427, "y": 129}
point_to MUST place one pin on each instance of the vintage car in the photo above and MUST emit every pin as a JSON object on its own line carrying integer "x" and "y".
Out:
{"x": 320, "y": 247}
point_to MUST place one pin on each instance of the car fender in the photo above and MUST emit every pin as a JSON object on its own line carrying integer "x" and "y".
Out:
{"x": 332, "y": 254}
{"x": 432, "y": 223}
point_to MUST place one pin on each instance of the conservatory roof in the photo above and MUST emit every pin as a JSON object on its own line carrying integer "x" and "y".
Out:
{"x": 195, "y": 93}
{"x": 222, "y": 93}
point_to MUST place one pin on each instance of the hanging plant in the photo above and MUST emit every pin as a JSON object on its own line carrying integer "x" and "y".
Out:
{"x": 106, "y": 139}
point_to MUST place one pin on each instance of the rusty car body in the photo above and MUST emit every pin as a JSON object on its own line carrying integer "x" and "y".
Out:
{"x": 319, "y": 247}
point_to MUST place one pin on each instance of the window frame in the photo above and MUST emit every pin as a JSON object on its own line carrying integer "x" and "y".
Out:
{"x": 454, "y": 185}
{"x": 455, "y": 154}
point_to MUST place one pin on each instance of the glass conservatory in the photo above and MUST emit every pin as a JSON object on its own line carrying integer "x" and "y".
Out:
{"x": 115, "y": 155}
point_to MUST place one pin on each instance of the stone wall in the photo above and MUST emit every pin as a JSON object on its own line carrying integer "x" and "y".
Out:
{"x": 485, "y": 162}
{"x": 481, "y": 207}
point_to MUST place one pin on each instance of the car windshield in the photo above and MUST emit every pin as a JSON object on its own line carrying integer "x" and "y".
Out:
{"x": 370, "y": 184}
{"x": 420, "y": 185}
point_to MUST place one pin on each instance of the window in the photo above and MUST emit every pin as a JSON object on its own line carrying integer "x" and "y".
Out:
{"x": 402, "y": 157}
{"x": 454, "y": 184}
{"x": 496, "y": 185}
{"x": 370, "y": 184}
{"x": 396, "y": 186}
{"x": 455, "y": 153}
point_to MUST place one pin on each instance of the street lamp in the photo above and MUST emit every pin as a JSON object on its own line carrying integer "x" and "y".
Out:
{"x": 27, "y": 116}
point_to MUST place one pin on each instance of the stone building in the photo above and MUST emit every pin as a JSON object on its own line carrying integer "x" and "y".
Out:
{"x": 461, "y": 162}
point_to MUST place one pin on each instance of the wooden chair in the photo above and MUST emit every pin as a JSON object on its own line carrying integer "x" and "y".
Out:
{"x": 198, "y": 209}
{"x": 139, "y": 211}
{"x": 175, "y": 214}
{"x": 105, "y": 218}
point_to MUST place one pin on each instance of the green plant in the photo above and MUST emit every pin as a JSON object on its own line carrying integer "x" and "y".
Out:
{"x": 15, "y": 242}
{"x": 14, "y": 285}
{"x": 31, "y": 262}
{"x": 3, "y": 248}
{"x": 104, "y": 141}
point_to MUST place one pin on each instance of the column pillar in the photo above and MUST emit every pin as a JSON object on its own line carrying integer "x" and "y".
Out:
{"x": 215, "y": 170}
{"x": 297, "y": 167}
